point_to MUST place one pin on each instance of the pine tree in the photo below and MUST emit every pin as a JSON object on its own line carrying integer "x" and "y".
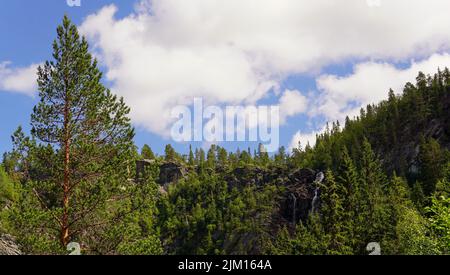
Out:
{"x": 417, "y": 195}
{"x": 222, "y": 156}
{"x": 191, "y": 158}
{"x": 147, "y": 153}
{"x": 431, "y": 164}
{"x": 333, "y": 215}
{"x": 245, "y": 158}
{"x": 211, "y": 157}
{"x": 170, "y": 154}
{"x": 85, "y": 131}
{"x": 280, "y": 157}
{"x": 374, "y": 181}
{"x": 356, "y": 203}
{"x": 394, "y": 117}
{"x": 399, "y": 192}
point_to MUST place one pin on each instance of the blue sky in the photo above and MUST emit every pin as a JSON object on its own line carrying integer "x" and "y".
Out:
{"x": 329, "y": 79}
{"x": 28, "y": 29}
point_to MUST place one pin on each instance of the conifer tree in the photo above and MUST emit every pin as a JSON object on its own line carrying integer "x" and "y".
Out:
{"x": 333, "y": 215}
{"x": 431, "y": 164}
{"x": 191, "y": 158}
{"x": 417, "y": 195}
{"x": 375, "y": 182}
{"x": 147, "y": 152}
{"x": 85, "y": 139}
{"x": 356, "y": 202}
{"x": 222, "y": 156}
{"x": 211, "y": 157}
{"x": 170, "y": 154}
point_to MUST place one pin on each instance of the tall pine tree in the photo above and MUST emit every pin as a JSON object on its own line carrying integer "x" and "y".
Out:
{"x": 89, "y": 132}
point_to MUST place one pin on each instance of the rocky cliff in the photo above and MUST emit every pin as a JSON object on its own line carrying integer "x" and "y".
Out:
{"x": 295, "y": 202}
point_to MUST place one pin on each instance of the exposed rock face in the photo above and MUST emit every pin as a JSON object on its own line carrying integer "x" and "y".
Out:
{"x": 171, "y": 172}
{"x": 249, "y": 175}
{"x": 300, "y": 191}
{"x": 407, "y": 149}
{"x": 295, "y": 203}
{"x": 8, "y": 246}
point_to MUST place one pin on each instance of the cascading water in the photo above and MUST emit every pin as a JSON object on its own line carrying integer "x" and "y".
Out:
{"x": 319, "y": 179}
{"x": 314, "y": 201}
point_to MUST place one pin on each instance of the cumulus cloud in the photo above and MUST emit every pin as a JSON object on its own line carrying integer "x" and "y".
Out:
{"x": 292, "y": 103}
{"x": 369, "y": 83}
{"x": 236, "y": 51}
{"x": 341, "y": 96}
{"x": 303, "y": 139}
{"x": 18, "y": 80}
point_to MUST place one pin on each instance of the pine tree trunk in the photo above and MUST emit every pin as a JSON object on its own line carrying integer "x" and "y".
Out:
{"x": 66, "y": 185}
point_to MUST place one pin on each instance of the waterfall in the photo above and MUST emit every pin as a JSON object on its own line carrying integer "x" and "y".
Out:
{"x": 315, "y": 199}
{"x": 294, "y": 209}
{"x": 319, "y": 179}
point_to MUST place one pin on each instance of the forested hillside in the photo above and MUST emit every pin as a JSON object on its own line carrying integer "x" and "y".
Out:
{"x": 382, "y": 177}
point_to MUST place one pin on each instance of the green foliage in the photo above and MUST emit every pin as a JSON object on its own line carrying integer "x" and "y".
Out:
{"x": 440, "y": 220}
{"x": 413, "y": 235}
{"x": 431, "y": 160}
{"x": 75, "y": 178}
{"x": 359, "y": 203}
{"x": 9, "y": 195}
{"x": 147, "y": 153}
{"x": 170, "y": 154}
{"x": 200, "y": 215}
{"x": 8, "y": 190}
{"x": 333, "y": 215}
{"x": 71, "y": 180}
{"x": 417, "y": 195}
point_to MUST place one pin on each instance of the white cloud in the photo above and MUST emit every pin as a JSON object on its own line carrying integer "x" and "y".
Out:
{"x": 292, "y": 103}
{"x": 303, "y": 139}
{"x": 18, "y": 80}
{"x": 235, "y": 51}
{"x": 369, "y": 83}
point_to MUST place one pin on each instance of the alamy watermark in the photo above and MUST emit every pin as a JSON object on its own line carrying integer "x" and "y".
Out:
{"x": 73, "y": 3}
{"x": 215, "y": 124}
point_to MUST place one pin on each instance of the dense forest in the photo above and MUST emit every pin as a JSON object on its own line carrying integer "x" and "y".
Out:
{"x": 382, "y": 177}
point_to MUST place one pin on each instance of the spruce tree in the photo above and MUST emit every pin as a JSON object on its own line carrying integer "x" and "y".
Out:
{"x": 374, "y": 181}
{"x": 333, "y": 215}
{"x": 356, "y": 203}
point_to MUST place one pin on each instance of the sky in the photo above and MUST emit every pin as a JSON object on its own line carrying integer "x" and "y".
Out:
{"x": 317, "y": 60}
